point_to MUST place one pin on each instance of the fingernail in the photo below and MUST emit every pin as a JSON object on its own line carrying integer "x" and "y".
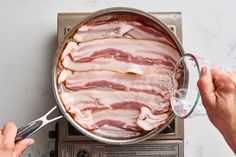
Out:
{"x": 32, "y": 142}
{"x": 203, "y": 71}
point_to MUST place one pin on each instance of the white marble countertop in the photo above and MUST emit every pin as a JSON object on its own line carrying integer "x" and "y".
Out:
{"x": 28, "y": 42}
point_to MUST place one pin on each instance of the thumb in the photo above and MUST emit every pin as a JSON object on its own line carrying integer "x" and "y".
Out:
{"x": 206, "y": 88}
{"x": 21, "y": 146}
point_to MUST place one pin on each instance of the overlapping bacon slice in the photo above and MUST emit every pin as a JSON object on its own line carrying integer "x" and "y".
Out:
{"x": 114, "y": 77}
{"x": 148, "y": 121}
{"x": 70, "y": 47}
{"x": 135, "y": 56}
{"x": 122, "y": 113}
{"x": 110, "y": 99}
{"x": 104, "y": 30}
{"x": 153, "y": 83}
{"x": 120, "y": 118}
{"x": 111, "y": 64}
{"x": 147, "y": 33}
{"x": 118, "y": 29}
{"x": 134, "y": 51}
{"x": 115, "y": 132}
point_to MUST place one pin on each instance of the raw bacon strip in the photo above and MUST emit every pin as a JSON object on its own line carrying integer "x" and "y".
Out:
{"x": 101, "y": 20}
{"x": 105, "y": 99}
{"x": 147, "y": 121}
{"x": 71, "y": 46}
{"x": 147, "y": 33}
{"x": 104, "y": 26}
{"x": 64, "y": 74}
{"x": 132, "y": 49}
{"x": 125, "y": 57}
{"x": 120, "y": 28}
{"x": 110, "y": 29}
{"x": 121, "y": 118}
{"x": 150, "y": 83}
{"x": 111, "y": 64}
{"x": 116, "y": 133}
{"x": 62, "y": 88}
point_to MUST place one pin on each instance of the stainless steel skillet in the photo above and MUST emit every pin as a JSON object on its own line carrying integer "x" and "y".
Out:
{"x": 37, "y": 124}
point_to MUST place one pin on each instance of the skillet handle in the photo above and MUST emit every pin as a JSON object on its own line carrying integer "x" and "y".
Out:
{"x": 34, "y": 126}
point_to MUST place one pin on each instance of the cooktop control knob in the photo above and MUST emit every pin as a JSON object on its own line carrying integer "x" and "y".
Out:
{"x": 52, "y": 134}
{"x": 52, "y": 153}
{"x": 83, "y": 153}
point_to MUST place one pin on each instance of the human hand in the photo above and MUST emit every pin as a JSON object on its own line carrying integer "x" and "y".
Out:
{"x": 8, "y": 147}
{"x": 218, "y": 92}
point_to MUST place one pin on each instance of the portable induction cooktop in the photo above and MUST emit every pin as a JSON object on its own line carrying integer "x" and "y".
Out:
{"x": 71, "y": 143}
